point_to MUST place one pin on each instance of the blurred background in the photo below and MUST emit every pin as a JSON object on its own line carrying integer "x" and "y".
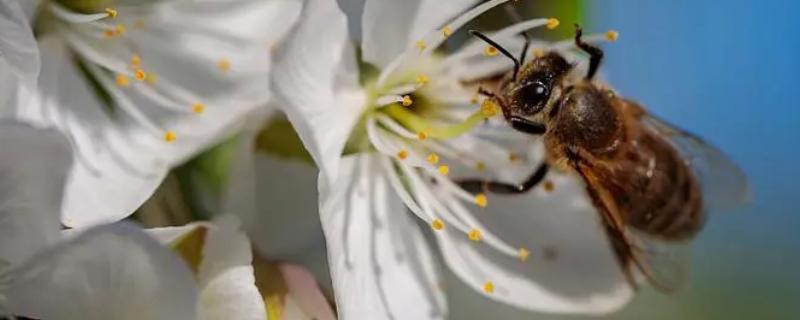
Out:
{"x": 727, "y": 71}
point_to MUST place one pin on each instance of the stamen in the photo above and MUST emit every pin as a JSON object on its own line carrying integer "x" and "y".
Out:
{"x": 489, "y": 108}
{"x": 407, "y": 101}
{"x": 170, "y": 136}
{"x": 552, "y": 23}
{"x": 447, "y": 31}
{"x": 71, "y": 17}
{"x": 421, "y": 45}
{"x": 538, "y": 52}
{"x": 140, "y": 75}
{"x": 548, "y": 186}
{"x": 422, "y": 135}
{"x": 422, "y": 80}
{"x": 488, "y": 287}
{"x": 136, "y": 61}
{"x": 523, "y": 254}
{"x": 415, "y": 122}
{"x": 112, "y": 13}
{"x": 490, "y": 51}
{"x": 612, "y": 35}
{"x": 198, "y": 108}
{"x": 481, "y": 200}
{"x": 474, "y": 235}
{"x": 444, "y": 170}
{"x": 122, "y": 80}
{"x": 402, "y": 154}
{"x": 433, "y": 158}
{"x": 437, "y": 224}
{"x": 224, "y": 64}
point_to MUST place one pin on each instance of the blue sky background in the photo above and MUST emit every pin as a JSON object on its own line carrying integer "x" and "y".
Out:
{"x": 728, "y": 71}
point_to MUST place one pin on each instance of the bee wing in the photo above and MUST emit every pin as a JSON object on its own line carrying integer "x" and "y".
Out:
{"x": 664, "y": 264}
{"x": 724, "y": 185}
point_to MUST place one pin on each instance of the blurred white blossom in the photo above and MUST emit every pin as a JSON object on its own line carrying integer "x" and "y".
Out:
{"x": 140, "y": 86}
{"x": 387, "y": 144}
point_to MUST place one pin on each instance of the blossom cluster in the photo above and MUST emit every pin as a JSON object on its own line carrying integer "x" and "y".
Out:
{"x": 321, "y": 142}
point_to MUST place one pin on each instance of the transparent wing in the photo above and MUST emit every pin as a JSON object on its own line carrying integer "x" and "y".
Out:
{"x": 663, "y": 264}
{"x": 724, "y": 185}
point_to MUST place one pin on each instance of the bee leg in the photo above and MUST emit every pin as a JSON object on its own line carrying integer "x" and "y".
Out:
{"x": 595, "y": 53}
{"x": 477, "y": 185}
{"x": 526, "y": 126}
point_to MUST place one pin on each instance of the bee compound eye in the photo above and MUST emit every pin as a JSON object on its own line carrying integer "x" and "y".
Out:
{"x": 533, "y": 96}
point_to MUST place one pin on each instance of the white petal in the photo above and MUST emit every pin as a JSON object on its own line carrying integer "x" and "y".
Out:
{"x": 33, "y": 168}
{"x": 583, "y": 277}
{"x": 315, "y": 80}
{"x": 228, "y": 289}
{"x": 390, "y": 26}
{"x": 108, "y": 272}
{"x": 117, "y": 164}
{"x": 225, "y": 274}
{"x": 381, "y": 265}
{"x": 17, "y": 47}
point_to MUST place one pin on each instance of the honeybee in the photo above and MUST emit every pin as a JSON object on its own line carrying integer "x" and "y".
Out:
{"x": 651, "y": 183}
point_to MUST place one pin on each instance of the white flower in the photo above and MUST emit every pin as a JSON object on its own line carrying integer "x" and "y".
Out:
{"x": 141, "y": 87}
{"x": 403, "y": 140}
{"x": 108, "y": 272}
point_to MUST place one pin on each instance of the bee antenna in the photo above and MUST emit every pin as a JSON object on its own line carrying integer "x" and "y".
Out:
{"x": 498, "y": 47}
{"x": 514, "y": 15}
{"x": 595, "y": 53}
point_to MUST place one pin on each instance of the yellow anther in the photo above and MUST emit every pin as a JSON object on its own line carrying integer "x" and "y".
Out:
{"x": 402, "y": 154}
{"x": 422, "y": 135}
{"x": 110, "y": 33}
{"x": 488, "y": 287}
{"x": 489, "y": 109}
{"x": 170, "y": 136}
{"x": 136, "y": 60}
{"x": 139, "y": 24}
{"x": 123, "y": 80}
{"x": 444, "y": 170}
{"x": 198, "y": 108}
{"x": 474, "y": 235}
{"x": 481, "y": 200}
{"x": 407, "y": 101}
{"x": 447, "y": 31}
{"x": 140, "y": 75}
{"x": 437, "y": 224}
{"x": 552, "y": 23}
{"x": 612, "y": 35}
{"x": 433, "y": 158}
{"x": 421, "y": 45}
{"x": 538, "y": 52}
{"x": 119, "y": 29}
{"x": 548, "y": 186}
{"x": 490, "y": 51}
{"x": 513, "y": 157}
{"x": 224, "y": 64}
{"x": 480, "y": 166}
{"x": 151, "y": 78}
{"x": 422, "y": 80}
{"x": 111, "y": 12}
{"x": 523, "y": 254}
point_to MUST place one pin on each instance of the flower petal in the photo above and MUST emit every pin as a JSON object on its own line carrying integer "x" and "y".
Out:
{"x": 315, "y": 80}
{"x": 107, "y": 272}
{"x": 382, "y": 267}
{"x": 571, "y": 268}
{"x": 305, "y": 294}
{"x": 17, "y": 47}
{"x": 117, "y": 166}
{"x": 33, "y": 168}
{"x": 222, "y": 259}
{"x": 389, "y": 26}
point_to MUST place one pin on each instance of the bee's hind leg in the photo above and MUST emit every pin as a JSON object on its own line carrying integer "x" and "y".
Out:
{"x": 479, "y": 185}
